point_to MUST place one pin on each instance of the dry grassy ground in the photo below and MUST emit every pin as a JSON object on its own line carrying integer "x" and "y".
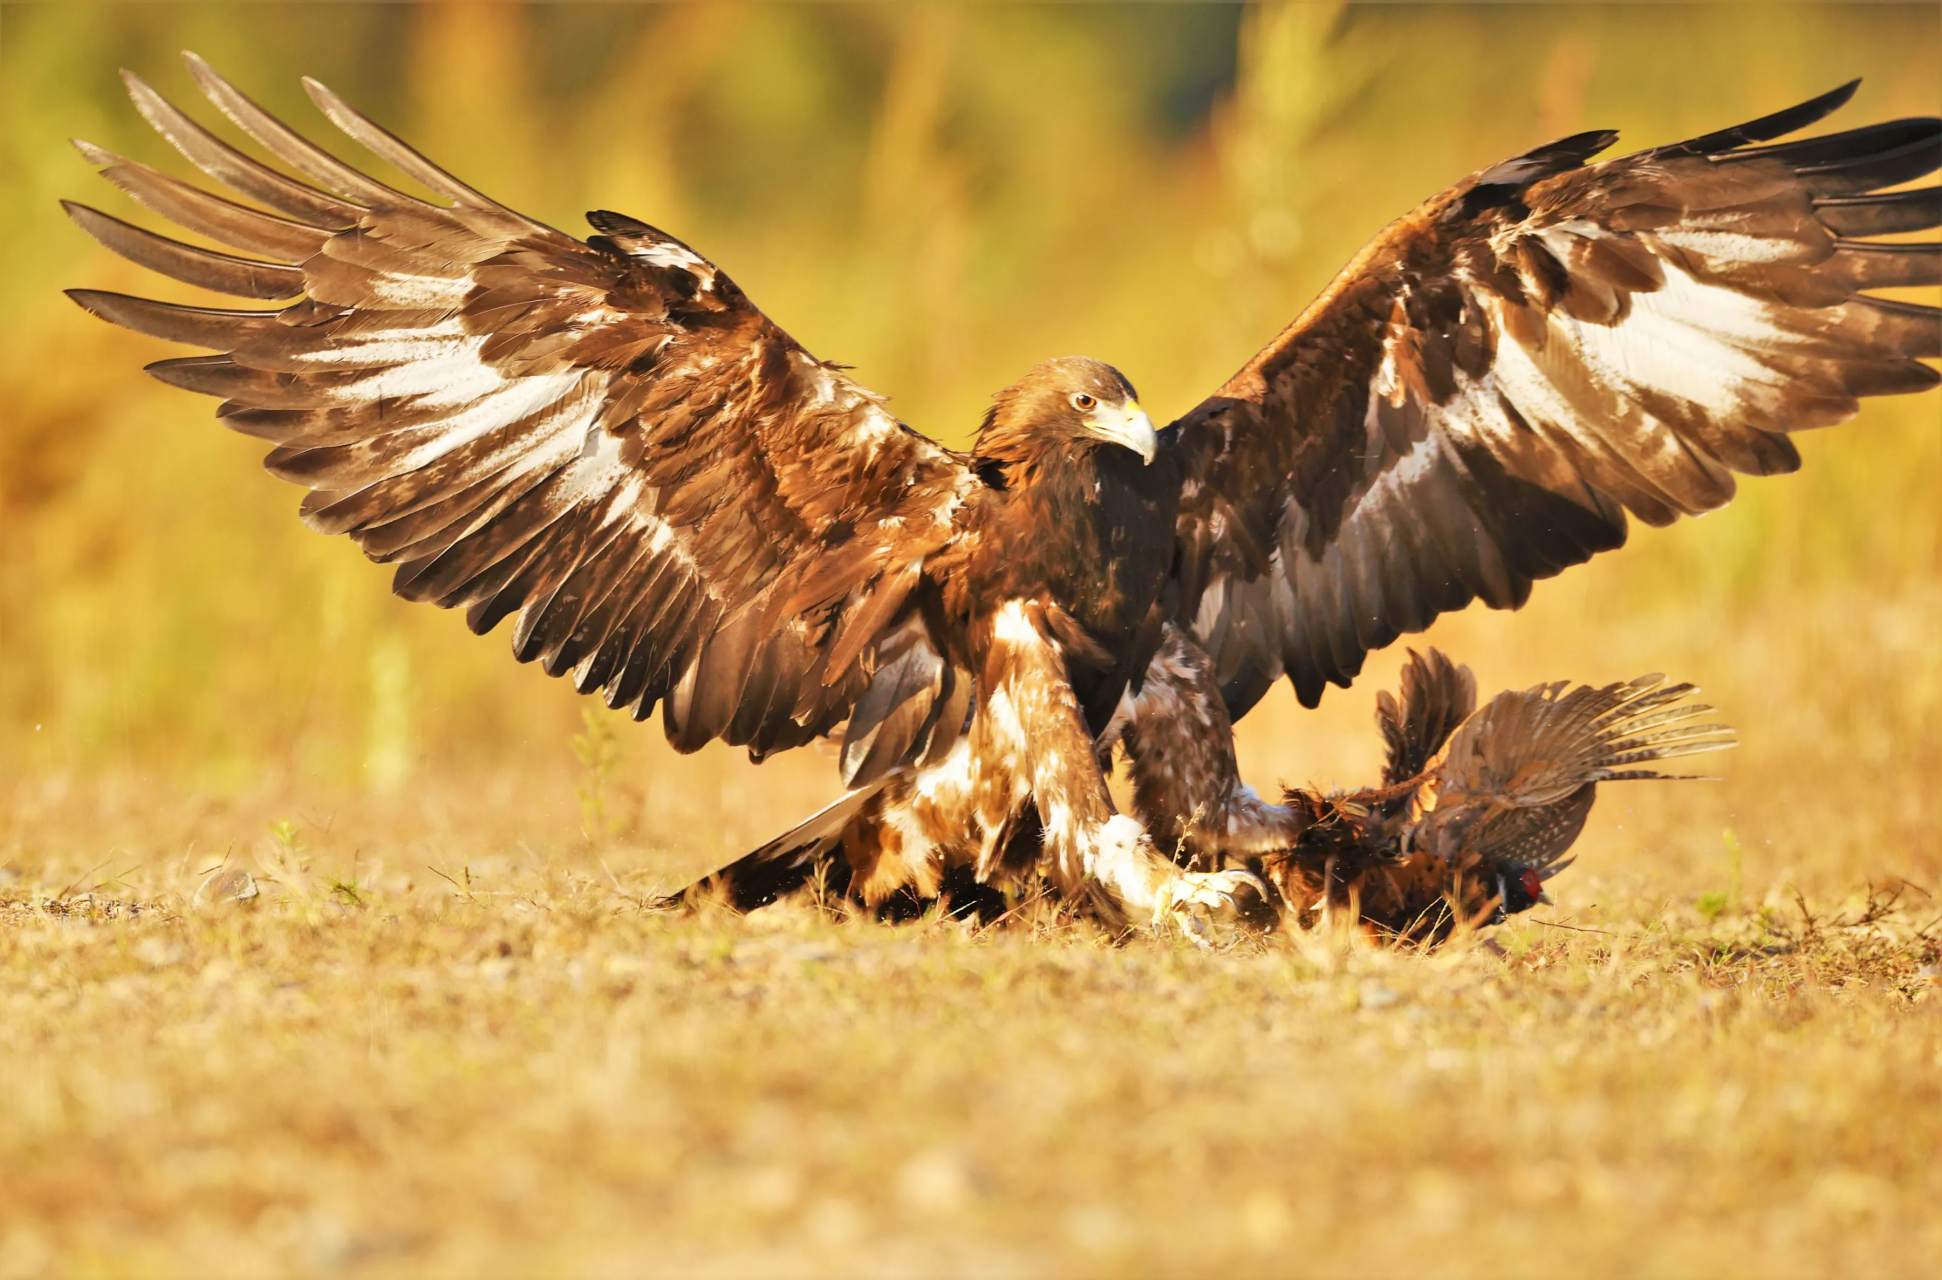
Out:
{"x": 522, "y": 1073}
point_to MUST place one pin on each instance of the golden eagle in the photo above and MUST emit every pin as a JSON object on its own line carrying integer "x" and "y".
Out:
{"x": 680, "y": 507}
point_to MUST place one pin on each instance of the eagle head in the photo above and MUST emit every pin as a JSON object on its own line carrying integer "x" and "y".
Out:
{"x": 1073, "y": 400}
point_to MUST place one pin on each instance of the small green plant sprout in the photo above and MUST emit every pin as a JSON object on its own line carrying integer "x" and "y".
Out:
{"x": 285, "y": 861}
{"x": 347, "y": 891}
{"x": 1716, "y": 904}
{"x": 288, "y": 836}
{"x": 1732, "y": 838}
{"x": 598, "y": 751}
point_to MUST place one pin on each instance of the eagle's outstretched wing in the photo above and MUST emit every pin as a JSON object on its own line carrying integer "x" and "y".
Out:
{"x": 604, "y": 438}
{"x": 1478, "y": 400}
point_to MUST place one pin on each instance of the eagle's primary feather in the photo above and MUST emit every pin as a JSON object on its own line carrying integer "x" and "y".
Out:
{"x": 678, "y": 506}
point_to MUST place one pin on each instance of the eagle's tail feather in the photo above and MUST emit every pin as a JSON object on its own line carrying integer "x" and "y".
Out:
{"x": 786, "y": 863}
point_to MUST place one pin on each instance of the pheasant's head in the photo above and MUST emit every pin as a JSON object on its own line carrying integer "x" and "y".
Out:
{"x": 1521, "y": 889}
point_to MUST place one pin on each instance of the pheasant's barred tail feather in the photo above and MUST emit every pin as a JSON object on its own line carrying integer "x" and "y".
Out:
{"x": 1515, "y": 784}
{"x": 1534, "y": 746}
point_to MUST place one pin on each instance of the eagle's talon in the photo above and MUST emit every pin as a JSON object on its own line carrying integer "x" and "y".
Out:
{"x": 1203, "y": 902}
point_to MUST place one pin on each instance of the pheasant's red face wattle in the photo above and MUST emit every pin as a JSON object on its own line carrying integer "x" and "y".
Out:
{"x": 1533, "y": 884}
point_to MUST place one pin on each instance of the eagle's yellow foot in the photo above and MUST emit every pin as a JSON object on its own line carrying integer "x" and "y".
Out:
{"x": 1136, "y": 882}
{"x": 1206, "y": 904}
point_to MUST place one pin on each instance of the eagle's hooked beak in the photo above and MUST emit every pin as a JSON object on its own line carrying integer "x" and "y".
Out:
{"x": 1127, "y": 424}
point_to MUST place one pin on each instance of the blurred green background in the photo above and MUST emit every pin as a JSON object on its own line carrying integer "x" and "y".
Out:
{"x": 940, "y": 195}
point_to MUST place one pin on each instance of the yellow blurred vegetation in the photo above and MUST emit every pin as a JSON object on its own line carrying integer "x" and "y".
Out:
{"x": 940, "y": 195}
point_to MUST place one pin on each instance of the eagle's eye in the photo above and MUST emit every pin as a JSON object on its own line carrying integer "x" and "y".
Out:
{"x": 1081, "y": 401}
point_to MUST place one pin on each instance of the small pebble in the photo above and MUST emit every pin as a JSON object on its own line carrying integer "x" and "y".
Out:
{"x": 226, "y": 885}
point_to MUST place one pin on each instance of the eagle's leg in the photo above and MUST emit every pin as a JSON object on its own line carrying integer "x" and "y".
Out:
{"x": 1187, "y": 787}
{"x": 1032, "y": 729}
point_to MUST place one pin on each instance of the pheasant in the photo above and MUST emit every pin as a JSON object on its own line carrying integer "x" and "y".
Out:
{"x": 1477, "y": 808}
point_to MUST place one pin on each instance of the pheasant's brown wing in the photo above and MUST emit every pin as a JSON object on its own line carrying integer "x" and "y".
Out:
{"x": 603, "y": 439}
{"x": 1502, "y": 375}
{"x": 1437, "y": 695}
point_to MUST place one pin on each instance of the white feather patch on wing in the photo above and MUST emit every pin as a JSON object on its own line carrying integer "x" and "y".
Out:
{"x": 385, "y": 290}
{"x": 948, "y": 776}
{"x": 1693, "y": 340}
{"x": 829, "y": 389}
{"x": 1718, "y": 245}
{"x": 391, "y": 346}
{"x": 521, "y": 400}
{"x": 454, "y": 375}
